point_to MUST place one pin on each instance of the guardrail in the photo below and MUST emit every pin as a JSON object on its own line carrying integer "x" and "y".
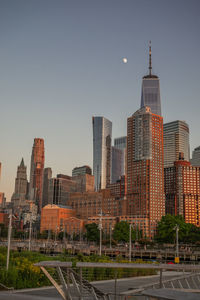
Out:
{"x": 72, "y": 284}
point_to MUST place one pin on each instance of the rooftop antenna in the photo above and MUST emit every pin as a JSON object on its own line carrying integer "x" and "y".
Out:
{"x": 150, "y": 66}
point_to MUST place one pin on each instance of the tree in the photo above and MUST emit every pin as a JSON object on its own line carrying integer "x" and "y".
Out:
{"x": 121, "y": 232}
{"x": 167, "y": 234}
{"x": 92, "y": 232}
{"x": 3, "y": 231}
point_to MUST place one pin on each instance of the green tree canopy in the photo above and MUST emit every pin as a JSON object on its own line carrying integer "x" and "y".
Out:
{"x": 121, "y": 232}
{"x": 166, "y": 232}
{"x": 92, "y": 232}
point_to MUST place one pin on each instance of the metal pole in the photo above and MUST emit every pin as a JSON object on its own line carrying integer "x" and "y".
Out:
{"x": 100, "y": 233}
{"x": 161, "y": 284}
{"x": 9, "y": 237}
{"x": 30, "y": 232}
{"x": 177, "y": 246}
{"x": 110, "y": 236}
{"x": 115, "y": 284}
{"x": 130, "y": 242}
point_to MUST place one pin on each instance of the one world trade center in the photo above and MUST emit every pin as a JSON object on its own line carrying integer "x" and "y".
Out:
{"x": 151, "y": 90}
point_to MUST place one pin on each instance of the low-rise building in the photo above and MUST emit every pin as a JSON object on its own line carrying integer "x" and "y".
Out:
{"x": 54, "y": 216}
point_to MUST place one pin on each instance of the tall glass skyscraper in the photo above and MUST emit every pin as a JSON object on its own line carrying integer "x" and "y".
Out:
{"x": 120, "y": 143}
{"x": 102, "y": 151}
{"x": 151, "y": 90}
{"x": 176, "y": 140}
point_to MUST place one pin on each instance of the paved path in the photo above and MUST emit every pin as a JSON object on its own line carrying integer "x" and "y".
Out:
{"x": 106, "y": 286}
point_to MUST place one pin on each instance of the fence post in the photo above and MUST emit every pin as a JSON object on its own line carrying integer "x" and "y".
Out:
{"x": 161, "y": 284}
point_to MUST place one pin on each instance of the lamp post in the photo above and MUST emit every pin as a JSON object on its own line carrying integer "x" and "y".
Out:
{"x": 111, "y": 236}
{"x": 100, "y": 233}
{"x": 177, "y": 244}
{"x": 30, "y": 232}
{"x": 9, "y": 237}
{"x": 130, "y": 244}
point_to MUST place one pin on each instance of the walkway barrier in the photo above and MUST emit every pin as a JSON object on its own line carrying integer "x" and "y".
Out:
{"x": 78, "y": 282}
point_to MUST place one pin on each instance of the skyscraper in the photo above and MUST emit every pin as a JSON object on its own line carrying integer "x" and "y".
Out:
{"x": 145, "y": 172}
{"x": 20, "y": 192}
{"x": 47, "y": 175}
{"x": 36, "y": 172}
{"x": 121, "y": 143}
{"x": 195, "y": 161}
{"x": 81, "y": 171}
{"x": 60, "y": 189}
{"x": 102, "y": 136}
{"x": 117, "y": 164}
{"x": 176, "y": 140}
{"x": 151, "y": 90}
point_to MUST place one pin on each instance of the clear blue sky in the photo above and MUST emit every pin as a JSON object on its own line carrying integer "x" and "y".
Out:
{"x": 61, "y": 63}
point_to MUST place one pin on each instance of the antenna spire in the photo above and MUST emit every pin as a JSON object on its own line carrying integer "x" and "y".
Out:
{"x": 150, "y": 66}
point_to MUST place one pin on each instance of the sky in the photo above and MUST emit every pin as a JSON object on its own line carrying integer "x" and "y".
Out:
{"x": 61, "y": 63}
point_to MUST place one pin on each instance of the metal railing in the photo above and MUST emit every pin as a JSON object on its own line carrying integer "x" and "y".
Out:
{"x": 75, "y": 282}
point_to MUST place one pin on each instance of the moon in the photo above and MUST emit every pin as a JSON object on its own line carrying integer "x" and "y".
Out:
{"x": 125, "y": 60}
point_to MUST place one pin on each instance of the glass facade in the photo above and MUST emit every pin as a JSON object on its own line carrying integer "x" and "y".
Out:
{"x": 117, "y": 164}
{"x": 195, "y": 161}
{"x": 151, "y": 94}
{"x": 121, "y": 143}
{"x": 102, "y": 136}
{"x": 176, "y": 140}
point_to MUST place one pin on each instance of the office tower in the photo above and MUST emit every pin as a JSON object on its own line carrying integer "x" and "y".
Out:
{"x": 176, "y": 140}
{"x": 20, "y": 193}
{"x": 151, "y": 90}
{"x": 195, "y": 161}
{"x": 145, "y": 172}
{"x": 47, "y": 175}
{"x": 81, "y": 171}
{"x": 102, "y": 136}
{"x": 60, "y": 189}
{"x": 117, "y": 164}
{"x": 182, "y": 191}
{"x": 121, "y": 143}
{"x": 36, "y": 172}
{"x": 84, "y": 183}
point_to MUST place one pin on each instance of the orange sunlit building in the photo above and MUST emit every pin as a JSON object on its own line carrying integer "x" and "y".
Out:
{"x": 54, "y": 216}
{"x": 36, "y": 172}
{"x": 145, "y": 172}
{"x": 182, "y": 190}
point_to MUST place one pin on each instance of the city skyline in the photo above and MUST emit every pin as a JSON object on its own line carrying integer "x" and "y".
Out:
{"x": 45, "y": 80}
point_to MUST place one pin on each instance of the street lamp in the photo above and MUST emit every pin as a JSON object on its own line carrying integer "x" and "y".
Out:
{"x": 100, "y": 233}
{"x": 30, "y": 232}
{"x": 9, "y": 237}
{"x": 111, "y": 236}
{"x": 130, "y": 244}
{"x": 177, "y": 245}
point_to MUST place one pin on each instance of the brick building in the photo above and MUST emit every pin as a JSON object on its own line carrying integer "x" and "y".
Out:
{"x": 73, "y": 226}
{"x": 145, "y": 172}
{"x": 90, "y": 204}
{"x": 108, "y": 222}
{"x": 53, "y": 217}
{"x": 4, "y": 218}
{"x": 182, "y": 191}
{"x": 36, "y": 172}
{"x": 119, "y": 188}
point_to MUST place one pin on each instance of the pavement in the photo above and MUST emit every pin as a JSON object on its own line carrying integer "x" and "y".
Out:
{"x": 107, "y": 286}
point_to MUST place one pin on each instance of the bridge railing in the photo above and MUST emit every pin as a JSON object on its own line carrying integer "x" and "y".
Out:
{"x": 74, "y": 282}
